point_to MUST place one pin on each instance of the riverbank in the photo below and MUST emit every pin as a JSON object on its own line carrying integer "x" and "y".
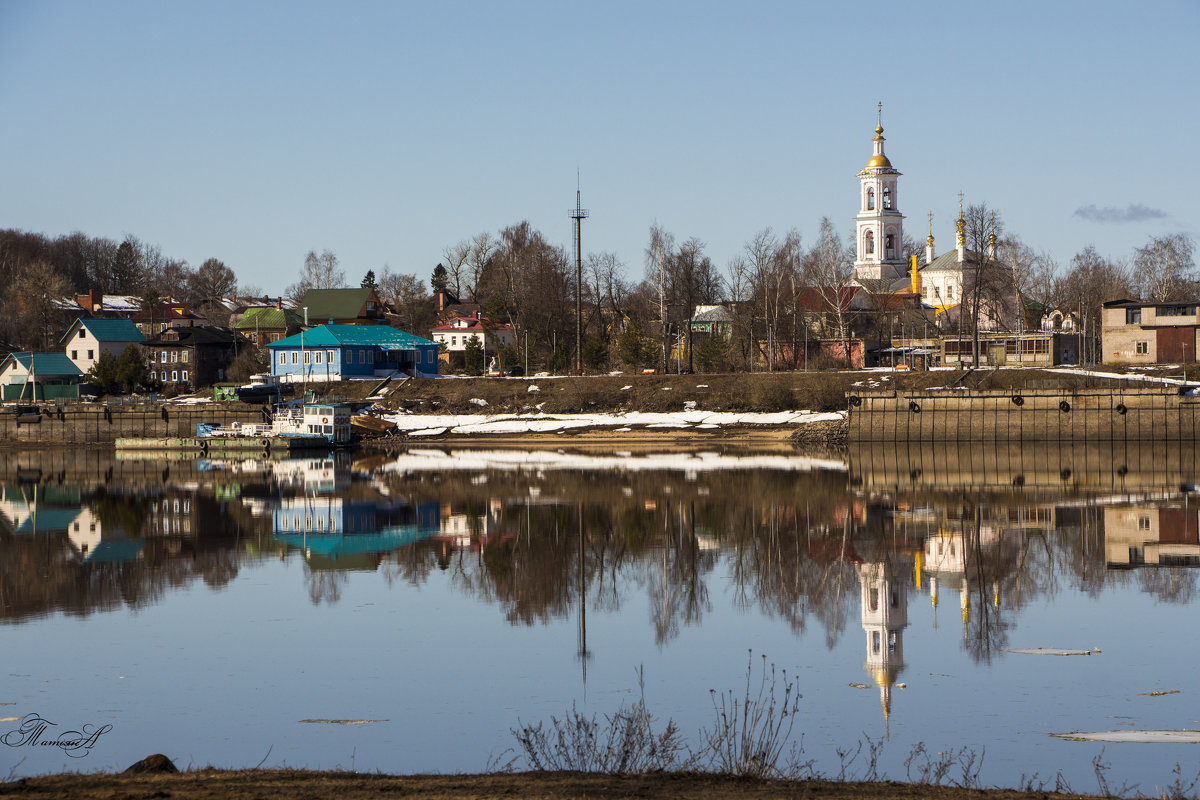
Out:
{"x": 294, "y": 784}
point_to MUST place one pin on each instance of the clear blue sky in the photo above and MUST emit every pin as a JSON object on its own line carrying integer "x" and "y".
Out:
{"x": 385, "y": 131}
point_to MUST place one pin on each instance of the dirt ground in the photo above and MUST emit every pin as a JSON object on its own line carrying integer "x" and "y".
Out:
{"x": 758, "y": 391}
{"x": 244, "y": 784}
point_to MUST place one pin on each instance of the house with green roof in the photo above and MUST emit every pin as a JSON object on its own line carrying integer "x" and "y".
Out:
{"x": 340, "y": 352}
{"x": 88, "y": 337}
{"x": 265, "y": 324}
{"x": 342, "y": 307}
{"x": 39, "y": 376}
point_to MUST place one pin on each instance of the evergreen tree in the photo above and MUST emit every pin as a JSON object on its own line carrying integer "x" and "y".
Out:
{"x": 473, "y": 356}
{"x": 440, "y": 279}
{"x": 104, "y": 374}
{"x": 595, "y": 354}
{"x": 131, "y": 370}
{"x": 368, "y": 281}
{"x": 632, "y": 348}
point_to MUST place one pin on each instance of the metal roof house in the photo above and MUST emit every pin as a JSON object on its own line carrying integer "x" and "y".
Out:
{"x": 89, "y": 336}
{"x": 342, "y": 306}
{"x": 51, "y": 375}
{"x": 339, "y": 352}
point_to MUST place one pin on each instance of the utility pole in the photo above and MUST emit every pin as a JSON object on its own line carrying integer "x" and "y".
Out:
{"x": 579, "y": 215}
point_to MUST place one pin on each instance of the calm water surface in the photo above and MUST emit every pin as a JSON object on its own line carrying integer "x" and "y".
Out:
{"x": 211, "y": 610}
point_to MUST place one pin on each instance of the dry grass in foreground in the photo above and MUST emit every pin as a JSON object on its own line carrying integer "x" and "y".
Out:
{"x": 244, "y": 784}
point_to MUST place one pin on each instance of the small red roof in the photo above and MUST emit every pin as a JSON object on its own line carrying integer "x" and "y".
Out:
{"x": 472, "y": 322}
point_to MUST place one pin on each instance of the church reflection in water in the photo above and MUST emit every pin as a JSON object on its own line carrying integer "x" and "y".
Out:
{"x": 791, "y": 536}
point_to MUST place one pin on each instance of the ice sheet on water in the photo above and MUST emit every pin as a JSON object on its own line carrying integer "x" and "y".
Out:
{"x": 1170, "y": 737}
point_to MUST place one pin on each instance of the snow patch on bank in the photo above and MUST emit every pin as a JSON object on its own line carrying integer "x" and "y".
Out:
{"x": 474, "y": 460}
{"x": 425, "y": 424}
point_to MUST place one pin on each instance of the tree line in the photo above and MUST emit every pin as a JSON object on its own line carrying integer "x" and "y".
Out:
{"x": 778, "y": 291}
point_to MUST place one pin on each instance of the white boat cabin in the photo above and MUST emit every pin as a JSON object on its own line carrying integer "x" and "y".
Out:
{"x": 330, "y": 420}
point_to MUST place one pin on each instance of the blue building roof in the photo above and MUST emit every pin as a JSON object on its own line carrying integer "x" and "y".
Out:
{"x": 333, "y": 545}
{"x": 47, "y": 363}
{"x": 381, "y": 336}
{"x": 109, "y": 330}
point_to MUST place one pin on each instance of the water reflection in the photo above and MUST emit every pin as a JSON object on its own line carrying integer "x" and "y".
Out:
{"x": 535, "y": 534}
{"x": 943, "y": 547}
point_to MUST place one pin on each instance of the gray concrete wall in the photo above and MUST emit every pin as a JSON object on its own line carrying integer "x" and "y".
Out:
{"x": 1093, "y": 415}
{"x": 87, "y": 423}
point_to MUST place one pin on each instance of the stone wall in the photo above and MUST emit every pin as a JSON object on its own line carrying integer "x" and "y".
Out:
{"x": 88, "y": 423}
{"x": 1092, "y": 415}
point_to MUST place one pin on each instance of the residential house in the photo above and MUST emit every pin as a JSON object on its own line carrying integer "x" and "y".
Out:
{"x": 713, "y": 321}
{"x": 453, "y": 337}
{"x": 337, "y": 352}
{"x": 170, "y": 314}
{"x": 341, "y": 307}
{"x": 1146, "y": 332}
{"x": 185, "y": 359}
{"x": 88, "y": 337}
{"x": 263, "y": 325}
{"x": 1146, "y": 535}
{"x": 97, "y": 304}
{"x": 50, "y": 375}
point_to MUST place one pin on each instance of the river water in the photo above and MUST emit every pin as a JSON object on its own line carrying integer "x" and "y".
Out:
{"x": 233, "y": 614}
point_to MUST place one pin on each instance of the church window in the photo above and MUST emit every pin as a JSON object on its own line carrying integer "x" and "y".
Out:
{"x": 869, "y": 247}
{"x": 887, "y": 197}
{"x": 949, "y": 292}
{"x": 890, "y": 242}
{"x": 871, "y": 199}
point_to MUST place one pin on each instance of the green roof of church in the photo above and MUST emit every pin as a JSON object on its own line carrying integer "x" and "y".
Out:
{"x": 948, "y": 262}
{"x": 382, "y": 336}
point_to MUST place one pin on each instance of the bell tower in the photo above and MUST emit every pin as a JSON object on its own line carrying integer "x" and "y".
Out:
{"x": 879, "y": 225}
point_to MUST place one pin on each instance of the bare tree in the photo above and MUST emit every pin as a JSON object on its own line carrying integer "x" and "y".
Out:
{"x": 319, "y": 272}
{"x": 828, "y": 269}
{"x": 455, "y": 259}
{"x": 37, "y": 289}
{"x": 986, "y": 287}
{"x": 692, "y": 280}
{"x": 483, "y": 249}
{"x": 407, "y": 296}
{"x": 211, "y": 281}
{"x": 657, "y": 252}
{"x": 1092, "y": 281}
{"x": 1165, "y": 267}
{"x": 605, "y": 286}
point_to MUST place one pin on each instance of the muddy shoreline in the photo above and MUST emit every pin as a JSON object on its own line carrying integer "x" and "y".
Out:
{"x": 211, "y": 784}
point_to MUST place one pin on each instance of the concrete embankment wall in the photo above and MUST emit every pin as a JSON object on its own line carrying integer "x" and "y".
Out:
{"x": 87, "y": 423}
{"x": 1092, "y": 415}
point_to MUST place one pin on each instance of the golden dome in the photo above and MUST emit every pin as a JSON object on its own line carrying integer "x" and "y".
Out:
{"x": 879, "y": 161}
{"x": 884, "y": 676}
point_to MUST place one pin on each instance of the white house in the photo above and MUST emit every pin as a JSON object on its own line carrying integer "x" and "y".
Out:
{"x": 87, "y": 338}
{"x": 454, "y": 335}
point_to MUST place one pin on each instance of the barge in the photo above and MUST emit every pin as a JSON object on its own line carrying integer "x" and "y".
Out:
{"x": 313, "y": 426}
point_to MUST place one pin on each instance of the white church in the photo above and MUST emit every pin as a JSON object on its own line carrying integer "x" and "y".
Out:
{"x": 880, "y": 264}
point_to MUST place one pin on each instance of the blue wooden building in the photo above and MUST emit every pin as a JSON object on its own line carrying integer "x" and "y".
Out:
{"x": 337, "y": 352}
